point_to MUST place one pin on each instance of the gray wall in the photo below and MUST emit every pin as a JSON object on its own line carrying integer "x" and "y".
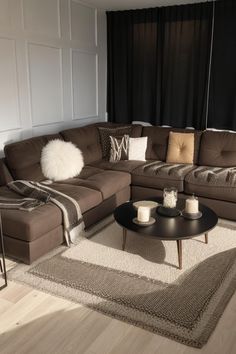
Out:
{"x": 52, "y": 67}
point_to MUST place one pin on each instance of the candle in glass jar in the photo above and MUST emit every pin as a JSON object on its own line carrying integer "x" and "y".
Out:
{"x": 191, "y": 205}
{"x": 143, "y": 214}
{"x": 170, "y": 197}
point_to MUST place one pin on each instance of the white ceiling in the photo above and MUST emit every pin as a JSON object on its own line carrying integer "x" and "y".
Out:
{"x": 135, "y": 4}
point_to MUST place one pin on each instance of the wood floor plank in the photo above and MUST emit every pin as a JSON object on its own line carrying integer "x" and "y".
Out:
{"x": 15, "y": 314}
{"x": 47, "y": 333}
{"x": 85, "y": 332}
{"x": 110, "y": 338}
{"x": 14, "y": 292}
{"x": 136, "y": 341}
{"x": 4, "y": 305}
{"x": 32, "y": 322}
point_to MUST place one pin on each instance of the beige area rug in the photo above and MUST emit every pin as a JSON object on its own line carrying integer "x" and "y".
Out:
{"x": 143, "y": 285}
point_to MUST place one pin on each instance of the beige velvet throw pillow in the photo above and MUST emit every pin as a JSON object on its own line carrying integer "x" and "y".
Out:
{"x": 180, "y": 148}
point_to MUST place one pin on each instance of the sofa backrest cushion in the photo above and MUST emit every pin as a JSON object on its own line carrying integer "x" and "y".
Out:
{"x": 136, "y": 129}
{"x": 23, "y": 157}
{"x": 5, "y": 176}
{"x": 158, "y": 138}
{"x": 87, "y": 140}
{"x": 218, "y": 149}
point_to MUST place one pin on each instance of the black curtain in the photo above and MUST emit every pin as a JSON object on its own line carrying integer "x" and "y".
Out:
{"x": 158, "y": 64}
{"x": 185, "y": 40}
{"x": 132, "y": 64}
{"x": 222, "y": 102}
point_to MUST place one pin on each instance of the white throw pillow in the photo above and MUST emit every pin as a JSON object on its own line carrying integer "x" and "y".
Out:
{"x": 61, "y": 160}
{"x": 137, "y": 148}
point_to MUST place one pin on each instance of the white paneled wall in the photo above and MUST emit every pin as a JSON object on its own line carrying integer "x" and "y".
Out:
{"x": 9, "y": 93}
{"x": 46, "y": 90}
{"x": 84, "y": 80}
{"x": 52, "y": 67}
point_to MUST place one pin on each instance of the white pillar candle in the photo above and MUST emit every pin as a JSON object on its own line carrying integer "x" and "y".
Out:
{"x": 191, "y": 206}
{"x": 143, "y": 214}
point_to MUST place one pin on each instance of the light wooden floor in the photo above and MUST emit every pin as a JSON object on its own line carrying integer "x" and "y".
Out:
{"x": 33, "y": 322}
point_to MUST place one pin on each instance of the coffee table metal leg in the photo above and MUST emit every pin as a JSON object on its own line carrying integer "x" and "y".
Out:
{"x": 124, "y": 238}
{"x": 179, "y": 247}
{"x": 206, "y": 238}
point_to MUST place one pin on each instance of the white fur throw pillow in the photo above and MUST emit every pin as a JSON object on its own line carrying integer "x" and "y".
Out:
{"x": 61, "y": 160}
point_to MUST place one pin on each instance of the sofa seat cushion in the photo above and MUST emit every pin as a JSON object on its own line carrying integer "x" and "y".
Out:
{"x": 88, "y": 171}
{"x": 212, "y": 182}
{"x": 107, "y": 183}
{"x": 124, "y": 165}
{"x": 86, "y": 197}
{"x": 28, "y": 226}
{"x": 158, "y": 174}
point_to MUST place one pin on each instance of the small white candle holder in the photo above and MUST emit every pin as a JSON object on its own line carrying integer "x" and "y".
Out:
{"x": 143, "y": 214}
{"x": 191, "y": 210}
{"x": 170, "y": 197}
{"x": 192, "y": 205}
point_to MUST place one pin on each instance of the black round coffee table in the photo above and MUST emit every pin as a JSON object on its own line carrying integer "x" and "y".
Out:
{"x": 165, "y": 228}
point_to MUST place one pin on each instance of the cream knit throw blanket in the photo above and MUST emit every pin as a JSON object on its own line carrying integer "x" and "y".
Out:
{"x": 36, "y": 194}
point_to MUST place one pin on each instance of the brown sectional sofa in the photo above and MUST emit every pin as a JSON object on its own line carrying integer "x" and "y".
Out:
{"x": 103, "y": 185}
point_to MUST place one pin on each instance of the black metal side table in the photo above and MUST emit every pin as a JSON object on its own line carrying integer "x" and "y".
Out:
{"x": 3, "y": 272}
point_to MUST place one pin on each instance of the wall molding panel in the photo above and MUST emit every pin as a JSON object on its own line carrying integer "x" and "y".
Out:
{"x": 42, "y": 17}
{"x": 9, "y": 89}
{"x": 45, "y": 78}
{"x": 83, "y": 23}
{"x": 52, "y": 68}
{"x": 5, "y": 15}
{"x": 84, "y": 84}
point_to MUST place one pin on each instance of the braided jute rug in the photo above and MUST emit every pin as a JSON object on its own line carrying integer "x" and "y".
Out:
{"x": 143, "y": 285}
